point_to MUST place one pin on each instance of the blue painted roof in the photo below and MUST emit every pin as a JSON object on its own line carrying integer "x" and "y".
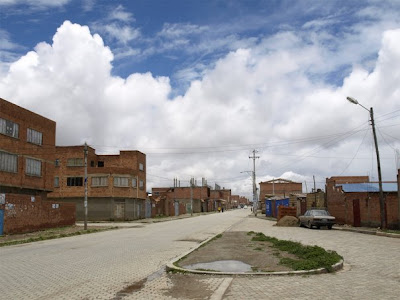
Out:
{"x": 368, "y": 187}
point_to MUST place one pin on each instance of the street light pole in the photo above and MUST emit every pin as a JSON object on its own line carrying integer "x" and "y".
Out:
{"x": 381, "y": 198}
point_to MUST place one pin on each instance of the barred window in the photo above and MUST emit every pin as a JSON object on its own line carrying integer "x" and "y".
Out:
{"x": 9, "y": 128}
{"x": 8, "y": 162}
{"x": 75, "y": 162}
{"x": 121, "y": 181}
{"x": 100, "y": 181}
{"x": 74, "y": 181}
{"x": 34, "y": 136}
{"x": 56, "y": 182}
{"x": 141, "y": 184}
{"x": 33, "y": 167}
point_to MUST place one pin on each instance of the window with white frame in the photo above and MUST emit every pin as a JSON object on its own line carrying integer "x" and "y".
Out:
{"x": 141, "y": 184}
{"x": 121, "y": 181}
{"x": 9, "y": 128}
{"x": 34, "y": 136}
{"x": 134, "y": 182}
{"x": 56, "y": 181}
{"x": 75, "y": 162}
{"x": 141, "y": 167}
{"x": 33, "y": 167}
{"x": 100, "y": 181}
{"x": 8, "y": 162}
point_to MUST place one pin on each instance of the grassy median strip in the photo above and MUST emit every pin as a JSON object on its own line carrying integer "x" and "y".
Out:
{"x": 309, "y": 257}
{"x": 50, "y": 235}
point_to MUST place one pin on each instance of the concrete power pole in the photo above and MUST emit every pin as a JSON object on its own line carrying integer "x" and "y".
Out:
{"x": 85, "y": 203}
{"x": 255, "y": 197}
{"x": 191, "y": 196}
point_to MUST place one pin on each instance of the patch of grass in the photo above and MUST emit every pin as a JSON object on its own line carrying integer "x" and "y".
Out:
{"x": 391, "y": 231}
{"x": 258, "y": 248}
{"x": 309, "y": 257}
{"x": 250, "y": 233}
{"x": 53, "y": 236}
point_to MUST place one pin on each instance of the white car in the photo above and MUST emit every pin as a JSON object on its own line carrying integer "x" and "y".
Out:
{"x": 317, "y": 218}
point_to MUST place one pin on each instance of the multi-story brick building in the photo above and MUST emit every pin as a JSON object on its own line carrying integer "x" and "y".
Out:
{"x": 27, "y": 152}
{"x": 116, "y": 183}
{"x": 220, "y": 198}
{"x": 355, "y": 201}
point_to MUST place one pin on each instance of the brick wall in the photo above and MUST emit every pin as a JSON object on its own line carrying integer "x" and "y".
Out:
{"x": 279, "y": 189}
{"x": 26, "y": 213}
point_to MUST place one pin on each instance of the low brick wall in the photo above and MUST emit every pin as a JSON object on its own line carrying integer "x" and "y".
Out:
{"x": 286, "y": 211}
{"x": 26, "y": 213}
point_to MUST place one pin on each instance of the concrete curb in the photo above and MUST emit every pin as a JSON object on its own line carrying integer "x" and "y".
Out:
{"x": 371, "y": 232}
{"x": 171, "y": 267}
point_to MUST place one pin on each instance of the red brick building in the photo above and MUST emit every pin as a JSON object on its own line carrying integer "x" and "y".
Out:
{"x": 27, "y": 152}
{"x": 355, "y": 201}
{"x": 279, "y": 188}
{"x": 178, "y": 200}
{"x": 116, "y": 183}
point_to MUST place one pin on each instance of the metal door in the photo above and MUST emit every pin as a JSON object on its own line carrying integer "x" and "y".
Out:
{"x": 176, "y": 204}
{"x": 356, "y": 213}
{"x": 119, "y": 210}
{"x": 148, "y": 209}
{"x": 1, "y": 221}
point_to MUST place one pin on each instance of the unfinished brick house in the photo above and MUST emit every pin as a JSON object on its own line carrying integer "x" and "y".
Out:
{"x": 220, "y": 198}
{"x": 277, "y": 189}
{"x": 27, "y": 151}
{"x": 177, "y": 200}
{"x": 355, "y": 201}
{"x": 116, "y": 183}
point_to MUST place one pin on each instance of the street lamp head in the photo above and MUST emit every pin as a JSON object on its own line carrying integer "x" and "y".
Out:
{"x": 352, "y": 100}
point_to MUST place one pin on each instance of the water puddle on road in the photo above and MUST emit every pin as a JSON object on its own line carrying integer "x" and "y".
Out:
{"x": 221, "y": 266}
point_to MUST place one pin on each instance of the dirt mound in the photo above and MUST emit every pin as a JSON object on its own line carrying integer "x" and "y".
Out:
{"x": 288, "y": 221}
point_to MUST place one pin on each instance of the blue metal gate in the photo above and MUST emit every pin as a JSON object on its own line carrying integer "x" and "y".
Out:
{"x": 1, "y": 221}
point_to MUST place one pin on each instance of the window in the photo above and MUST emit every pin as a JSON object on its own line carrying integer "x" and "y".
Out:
{"x": 8, "y": 162}
{"x": 9, "y": 128}
{"x": 141, "y": 167}
{"x": 141, "y": 184}
{"x": 57, "y": 162}
{"x": 100, "y": 181}
{"x": 121, "y": 181}
{"x": 75, "y": 181}
{"x": 56, "y": 182}
{"x": 33, "y": 167}
{"x": 34, "y": 136}
{"x": 134, "y": 182}
{"x": 92, "y": 163}
{"x": 75, "y": 162}
{"x": 100, "y": 164}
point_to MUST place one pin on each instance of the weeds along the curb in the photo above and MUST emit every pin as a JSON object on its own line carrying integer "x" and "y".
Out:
{"x": 56, "y": 236}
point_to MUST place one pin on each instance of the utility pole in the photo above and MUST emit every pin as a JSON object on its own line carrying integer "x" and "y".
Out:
{"x": 85, "y": 203}
{"x": 255, "y": 198}
{"x": 381, "y": 198}
{"x": 191, "y": 196}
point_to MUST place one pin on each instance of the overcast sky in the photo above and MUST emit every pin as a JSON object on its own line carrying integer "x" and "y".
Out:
{"x": 198, "y": 85}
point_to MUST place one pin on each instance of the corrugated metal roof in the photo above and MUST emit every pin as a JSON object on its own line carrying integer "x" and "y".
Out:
{"x": 368, "y": 187}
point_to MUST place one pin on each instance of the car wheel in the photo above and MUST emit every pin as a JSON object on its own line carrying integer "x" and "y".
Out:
{"x": 309, "y": 224}
{"x": 318, "y": 227}
{"x": 329, "y": 226}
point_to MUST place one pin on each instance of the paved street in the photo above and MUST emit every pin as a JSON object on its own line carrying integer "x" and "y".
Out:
{"x": 128, "y": 264}
{"x": 101, "y": 265}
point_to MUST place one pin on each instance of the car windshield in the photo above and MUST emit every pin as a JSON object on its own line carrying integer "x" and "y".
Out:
{"x": 319, "y": 213}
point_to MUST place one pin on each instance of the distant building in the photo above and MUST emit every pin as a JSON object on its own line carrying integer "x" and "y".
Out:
{"x": 27, "y": 151}
{"x": 116, "y": 183}
{"x": 279, "y": 188}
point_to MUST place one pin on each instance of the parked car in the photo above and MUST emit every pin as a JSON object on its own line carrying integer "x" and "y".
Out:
{"x": 317, "y": 218}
